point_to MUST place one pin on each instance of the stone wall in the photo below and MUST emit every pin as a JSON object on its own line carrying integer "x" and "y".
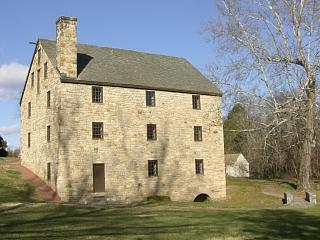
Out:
{"x": 40, "y": 151}
{"x": 125, "y": 150}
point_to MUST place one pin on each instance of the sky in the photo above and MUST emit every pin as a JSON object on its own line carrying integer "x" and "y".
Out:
{"x": 165, "y": 27}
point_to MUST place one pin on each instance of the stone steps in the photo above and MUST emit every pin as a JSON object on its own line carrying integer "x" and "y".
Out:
{"x": 102, "y": 200}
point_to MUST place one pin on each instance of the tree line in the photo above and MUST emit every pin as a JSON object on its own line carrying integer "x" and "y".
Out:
{"x": 275, "y": 155}
{"x": 5, "y": 151}
{"x": 267, "y": 57}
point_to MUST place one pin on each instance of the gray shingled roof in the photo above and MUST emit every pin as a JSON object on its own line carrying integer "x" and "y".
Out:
{"x": 118, "y": 67}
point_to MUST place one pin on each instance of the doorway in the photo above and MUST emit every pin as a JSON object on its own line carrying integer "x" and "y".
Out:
{"x": 98, "y": 178}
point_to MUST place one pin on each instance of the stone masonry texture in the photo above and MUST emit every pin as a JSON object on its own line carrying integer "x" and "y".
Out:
{"x": 124, "y": 149}
{"x": 67, "y": 46}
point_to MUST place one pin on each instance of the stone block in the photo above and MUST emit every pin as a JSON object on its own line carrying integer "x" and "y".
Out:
{"x": 311, "y": 197}
{"x": 288, "y": 198}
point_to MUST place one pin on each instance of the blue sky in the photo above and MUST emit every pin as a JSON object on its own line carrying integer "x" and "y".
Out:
{"x": 165, "y": 27}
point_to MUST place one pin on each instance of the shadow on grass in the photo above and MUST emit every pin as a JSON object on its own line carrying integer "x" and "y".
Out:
{"x": 291, "y": 184}
{"x": 283, "y": 224}
{"x": 151, "y": 222}
{"x": 23, "y": 193}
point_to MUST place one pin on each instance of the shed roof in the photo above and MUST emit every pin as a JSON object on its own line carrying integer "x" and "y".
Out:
{"x": 231, "y": 158}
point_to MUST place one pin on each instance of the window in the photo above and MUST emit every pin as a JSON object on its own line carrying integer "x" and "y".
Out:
{"x": 48, "y": 171}
{"x": 45, "y": 70}
{"x": 196, "y": 101}
{"x": 198, "y": 133}
{"x": 150, "y": 98}
{"x": 199, "y": 166}
{"x": 29, "y": 140}
{"x": 32, "y": 79}
{"x": 48, "y": 133}
{"x": 39, "y": 56}
{"x": 97, "y": 94}
{"x": 151, "y": 132}
{"x": 38, "y": 81}
{"x": 97, "y": 130}
{"x": 29, "y": 109}
{"x": 48, "y": 99}
{"x": 152, "y": 168}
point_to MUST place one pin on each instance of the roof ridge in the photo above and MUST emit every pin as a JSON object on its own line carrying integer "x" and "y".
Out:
{"x": 124, "y": 68}
{"x": 122, "y": 49}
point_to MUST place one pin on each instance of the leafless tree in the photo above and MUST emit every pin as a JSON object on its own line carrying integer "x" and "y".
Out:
{"x": 268, "y": 54}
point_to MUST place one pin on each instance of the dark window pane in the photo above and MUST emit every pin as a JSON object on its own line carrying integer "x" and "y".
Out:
{"x": 32, "y": 79}
{"x": 29, "y": 139}
{"x": 48, "y": 133}
{"x": 45, "y": 70}
{"x": 48, "y": 99}
{"x": 39, "y": 56}
{"x": 29, "y": 109}
{"x": 38, "y": 81}
{"x": 97, "y": 130}
{"x": 153, "y": 167}
{"x": 97, "y": 94}
{"x": 150, "y": 98}
{"x": 48, "y": 171}
{"x": 196, "y": 101}
{"x": 151, "y": 132}
{"x": 198, "y": 133}
{"x": 199, "y": 166}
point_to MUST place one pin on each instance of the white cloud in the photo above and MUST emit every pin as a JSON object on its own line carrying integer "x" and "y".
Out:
{"x": 12, "y": 77}
{"x": 9, "y": 130}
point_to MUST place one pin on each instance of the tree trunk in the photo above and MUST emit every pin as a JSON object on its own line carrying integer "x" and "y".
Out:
{"x": 305, "y": 164}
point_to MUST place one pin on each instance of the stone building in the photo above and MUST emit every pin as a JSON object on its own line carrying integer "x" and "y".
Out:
{"x": 120, "y": 125}
{"x": 237, "y": 165}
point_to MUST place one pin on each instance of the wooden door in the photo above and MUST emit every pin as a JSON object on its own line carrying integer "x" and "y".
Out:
{"x": 98, "y": 178}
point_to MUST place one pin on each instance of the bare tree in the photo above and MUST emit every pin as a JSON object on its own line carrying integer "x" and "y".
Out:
{"x": 268, "y": 50}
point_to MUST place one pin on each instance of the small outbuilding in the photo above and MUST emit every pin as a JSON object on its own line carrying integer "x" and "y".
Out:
{"x": 236, "y": 165}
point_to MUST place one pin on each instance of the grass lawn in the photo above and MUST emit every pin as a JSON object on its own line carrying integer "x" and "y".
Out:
{"x": 12, "y": 187}
{"x": 155, "y": 221}
{"x": 253, "y": 210}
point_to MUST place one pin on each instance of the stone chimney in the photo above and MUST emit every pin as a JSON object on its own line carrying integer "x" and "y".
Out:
{"x": 66, "y": 46}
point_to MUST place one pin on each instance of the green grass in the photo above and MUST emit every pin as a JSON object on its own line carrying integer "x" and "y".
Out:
{"x": 12, "y": 187}
{"x": 253, "y": 210}
{"x": 157, "y": 222}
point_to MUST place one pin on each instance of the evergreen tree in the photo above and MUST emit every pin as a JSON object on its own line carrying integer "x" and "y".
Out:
{"x": 235, "y": 140}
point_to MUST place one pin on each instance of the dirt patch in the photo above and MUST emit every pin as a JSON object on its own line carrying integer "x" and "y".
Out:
{"x": 271, "y": 190}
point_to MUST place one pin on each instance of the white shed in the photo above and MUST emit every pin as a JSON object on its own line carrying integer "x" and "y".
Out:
{"x": 236, "y": 165}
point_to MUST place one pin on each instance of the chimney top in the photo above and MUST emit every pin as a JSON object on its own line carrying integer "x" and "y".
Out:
{"x": 66, "y": 18}
{"x": 66, "y": 46}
